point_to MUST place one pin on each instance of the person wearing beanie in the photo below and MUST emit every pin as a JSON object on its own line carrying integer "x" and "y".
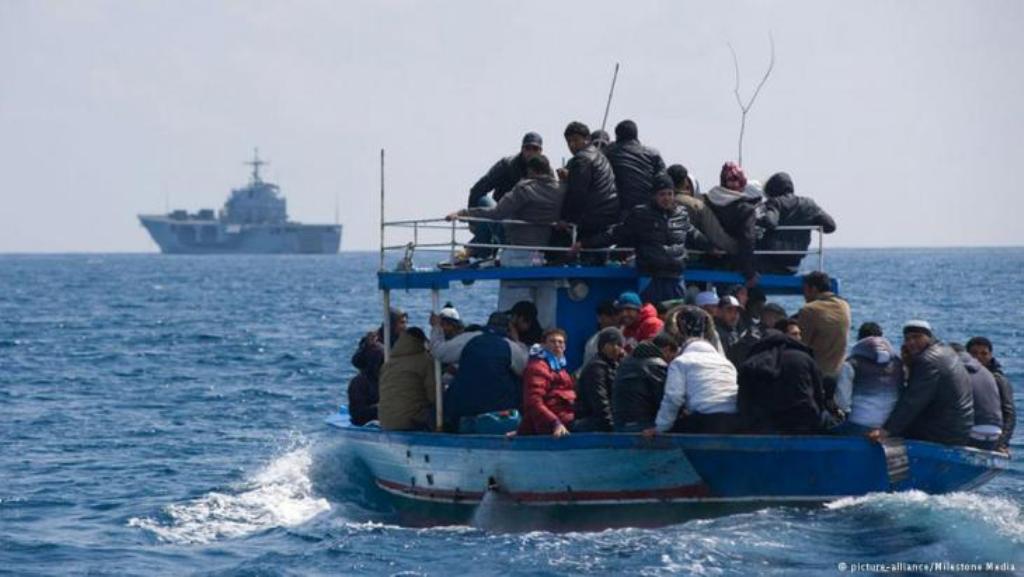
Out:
{"x": 637, "y": 167}
{"x": 591, "y": 202}
{"x": 741, "y": 212}
{"x": 700, "y": 385}
{"x": 792, "y": 210}
{"x": 937, "y": 403}
{"x": 594, "y": 387}
{"x": 659, "y": 232}
{"x": 491, "y": 187}
{"x": 639, "y": 321}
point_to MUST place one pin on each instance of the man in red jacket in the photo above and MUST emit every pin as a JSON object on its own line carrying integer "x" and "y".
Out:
{"x": 548, "y": 389}
{"x": 639, "y": 321}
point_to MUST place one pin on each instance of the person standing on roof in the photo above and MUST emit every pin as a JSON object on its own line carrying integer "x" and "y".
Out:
{"x": 636, "y": 167}
{"x": 739, "y": 209}
{"x": 590, "y": 199}
{"x": 981, "y": 349}
{"x": 500, "y": 179}
{"x": 824, "y": 326}
{"x": 793, "y": 210}
{"x": 548, "y": 389}
{"x": 639, "y": 321}
{"x": 659, "y": 232}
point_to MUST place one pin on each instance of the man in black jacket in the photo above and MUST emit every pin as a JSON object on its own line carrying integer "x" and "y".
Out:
{"x": 659, "y": 231}
{"x": 590, "y": 200}
{"x": 500, "y": 179}
{"x": 594, "y": 387}
{"x": 981, "y": 349}
{"x": 937, "y": 404}
{"x": 792, "y": 210}
{"x": 636, "y": 167}
{"x": 780, "y": 388}
{"x": 741, "y": 212}
{"x": 639, "y": 387}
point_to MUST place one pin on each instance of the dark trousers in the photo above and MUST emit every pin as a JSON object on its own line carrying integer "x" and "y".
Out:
{"x": 709, "y": 424}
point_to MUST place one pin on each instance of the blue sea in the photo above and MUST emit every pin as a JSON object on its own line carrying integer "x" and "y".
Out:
{"x": 163, "y": 415}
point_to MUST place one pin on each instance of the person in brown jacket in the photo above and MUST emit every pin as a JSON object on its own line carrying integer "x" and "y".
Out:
{"x": 407, "y": 393}
{"x": 824, "y": 327}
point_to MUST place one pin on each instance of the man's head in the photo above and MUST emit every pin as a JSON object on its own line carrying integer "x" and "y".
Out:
{"x": 668, "y": 345}
{"x": 740, "y": 292}
{"x": 499, "y": 322}
{"x": 523, "y": 315}
{"x": 778, "y": 184}
{"x": 611, "y": 343}
{"x": 771, "y": 314}
{"x": 755, "y": 301}
{"x": 917, "y": 336}
{"x": 625, "y": 130}
{"x": 729, "y": 311}
{"x": 417, "y": 335}
{"x": 708, "y": 300}
{"x": 600, "y": 139}
{"x": 732, "y": 177}
{"x": 815, "y": 283}
{"x": 692, "y": 322}
{"x": 577, "y": 136}
{"x": 869, "y": 329}
{"x": 981, "y": 349}
{"x": 790, "y": 328}
{"x": 680, "y": 179}
{"x": 451, "y": 321}
{"x": 628, "y": 304}
{"x": 538, "y": 166}
{"x": 554, "y": 342}
{"x": 399, "y": 321}
{"x": 533, "y": 145}
{"x": 664, "y": 193}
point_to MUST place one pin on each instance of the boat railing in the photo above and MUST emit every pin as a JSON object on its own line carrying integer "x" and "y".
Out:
{"x": 441, "y": 235}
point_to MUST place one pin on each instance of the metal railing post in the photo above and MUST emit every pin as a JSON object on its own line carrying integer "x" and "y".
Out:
{"x": 821, "y": 249}
{"x": 386, "y": 298}
{"x": 435, "y": 306}
{"x": 382, "y": 209}
{"x": 452, "y": 255}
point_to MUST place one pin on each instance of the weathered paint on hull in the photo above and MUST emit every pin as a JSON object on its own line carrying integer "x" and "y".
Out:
{"x": 626, "y": 469}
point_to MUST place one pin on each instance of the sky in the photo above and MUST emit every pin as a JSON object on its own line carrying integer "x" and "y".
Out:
{"x": 902, "y": 119}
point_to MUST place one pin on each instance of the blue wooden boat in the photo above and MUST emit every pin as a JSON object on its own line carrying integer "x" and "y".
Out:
{"x": 619, "y": 468}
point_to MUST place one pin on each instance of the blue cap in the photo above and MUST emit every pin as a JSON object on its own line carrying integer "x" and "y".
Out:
{"x": 628, "y": 300}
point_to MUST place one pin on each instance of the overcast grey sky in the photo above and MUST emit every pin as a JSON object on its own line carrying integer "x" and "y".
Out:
{"x": 903, "y": 119}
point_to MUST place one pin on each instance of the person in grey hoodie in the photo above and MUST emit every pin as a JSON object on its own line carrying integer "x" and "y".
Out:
{"x": 981, "y": 349}
{"x": 869, "y": 383}
{"x": 988, "y": 418}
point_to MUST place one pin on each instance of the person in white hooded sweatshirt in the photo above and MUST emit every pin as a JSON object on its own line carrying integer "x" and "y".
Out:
{"x": 700, "y": 389}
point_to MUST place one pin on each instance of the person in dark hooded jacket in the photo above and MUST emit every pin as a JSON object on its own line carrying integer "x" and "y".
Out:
{"x": 981, "y": 349}
{"x": 636, "y": 167}
{"x": 364, "y": 388}
{"x": 639, "y": 386}
{"x": 595, "y": 385}
{"x": 740, "y": 210}
{"x": 780, "y": 388}
{"x": 792, "y": 210}
{"x": 659, "y": 231}
{"x": 590, "y": 200}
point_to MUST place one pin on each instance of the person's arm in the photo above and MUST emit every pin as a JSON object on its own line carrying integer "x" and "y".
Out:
{"x": 673, "y": 400}
{"x": 844, "y": 388}
{"x": 535, "y": 386}
{"x": 487, "y": 183}
{"x": 817, "y": 216}
{"x": 577, "y": 189}
{"x": 918, "y": 394}
{"x": 507, "y": 208}
{"x": 448, "y": 352}
{"x": 1008, "y": 410}
{"x": 806, "y": 319}
{"x": 519, "y": 355}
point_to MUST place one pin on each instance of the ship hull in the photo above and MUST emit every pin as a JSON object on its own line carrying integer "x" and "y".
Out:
{"x": 212, "y": 237}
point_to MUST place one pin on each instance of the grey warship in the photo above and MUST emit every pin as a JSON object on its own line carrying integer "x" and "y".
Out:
{"x": 254, "y": 220}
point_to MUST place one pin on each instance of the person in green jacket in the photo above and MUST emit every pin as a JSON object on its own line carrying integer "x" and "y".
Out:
{"x": 407, "y": 389}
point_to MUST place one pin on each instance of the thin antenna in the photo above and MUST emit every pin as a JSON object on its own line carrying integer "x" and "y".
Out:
{"x": 256, "y": 163}
{"x": 608, "y": 105}
{"x": 382, "y": 211}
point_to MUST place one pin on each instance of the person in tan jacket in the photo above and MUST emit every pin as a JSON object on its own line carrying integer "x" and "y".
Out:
{"x": 824, "y": 327}
{"x": 407, "y": 390}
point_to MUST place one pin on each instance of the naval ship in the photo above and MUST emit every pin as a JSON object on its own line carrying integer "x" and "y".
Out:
{"x": 254, "y": 220}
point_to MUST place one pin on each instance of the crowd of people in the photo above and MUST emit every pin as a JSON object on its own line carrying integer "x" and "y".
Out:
{"x": 729, "y": 364}
{"x": 621, "y": 194}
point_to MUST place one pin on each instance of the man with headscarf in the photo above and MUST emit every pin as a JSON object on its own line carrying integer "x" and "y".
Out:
{"x": 739, "y": 209}
{"x": 700, "y": 388}
{"x": 636, "y": 167}
{"x": 792, "y": 210}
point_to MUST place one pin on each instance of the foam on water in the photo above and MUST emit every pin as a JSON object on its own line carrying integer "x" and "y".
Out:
{"x": 279, "y": 495}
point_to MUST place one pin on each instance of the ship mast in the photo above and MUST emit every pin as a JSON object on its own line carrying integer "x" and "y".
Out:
{"x": 256, "y": 163}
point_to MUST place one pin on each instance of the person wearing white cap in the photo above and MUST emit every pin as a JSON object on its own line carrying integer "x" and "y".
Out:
{"x": 708, "y": 300}
{"x": 937, "y": 404}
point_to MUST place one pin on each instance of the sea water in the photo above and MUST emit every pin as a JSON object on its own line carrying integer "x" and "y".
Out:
{"x": 163, "y": 415}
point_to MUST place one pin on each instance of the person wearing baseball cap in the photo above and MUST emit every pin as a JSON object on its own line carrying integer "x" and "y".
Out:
{"x": 937, "y": 403}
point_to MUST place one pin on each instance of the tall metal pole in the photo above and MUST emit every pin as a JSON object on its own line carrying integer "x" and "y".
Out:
{"x": 435, "y": 306}
{"x": 608, "y": 106}
{"x": 382, "y": 209}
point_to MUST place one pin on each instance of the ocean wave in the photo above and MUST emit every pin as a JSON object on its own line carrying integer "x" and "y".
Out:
{"x": 279, "y": 495}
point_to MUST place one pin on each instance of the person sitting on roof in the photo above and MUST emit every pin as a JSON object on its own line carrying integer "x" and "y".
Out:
{"x": 780, "y": 388}
{"x": 600, "y": 139}
{"x": 937, "y": 404}
{"x": 639, "y": 321}
{"x": 792, "y": 210}
{"x": 640, "y": 383}
{"x": 988, "y": 418}
{"x": 537, "y": 199}
{"x": 500, "y": 179}
{"x": 407, "y": 386}
{"x": 548, "y": 389}
{"x": 364, "y": 388}
{"x": 659, "y": 231}
{"x": 607, "y": 316}
{"x": 590, "y": 199}
{"x": 869, "y": 383}
{"x": 740, "y": 210}
{"x": 594, "y": 387}
{"x": 636, "y": 167}
{"x": 488, "y": 380}
{"x": 981, "y": 349}
{"x": 700, "y": 382}
{"x": 701, "y": 215}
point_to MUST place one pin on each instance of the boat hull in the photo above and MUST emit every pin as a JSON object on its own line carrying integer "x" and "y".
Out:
{"x": 609, "y": 468}
{"x": 213, "y": 237}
